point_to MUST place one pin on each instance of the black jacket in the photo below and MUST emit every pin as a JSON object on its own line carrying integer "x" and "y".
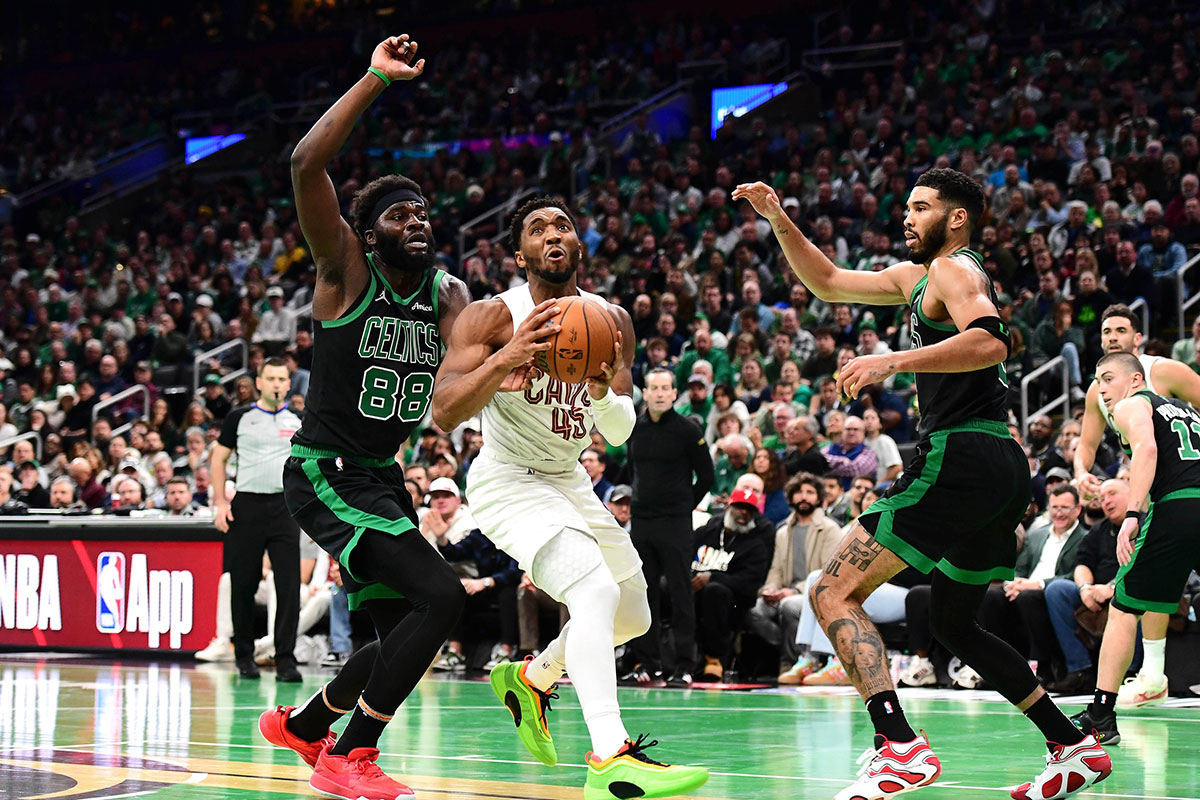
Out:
{"x": 492, "y": 563}
{"x": 663, "y": 458}
{"x": 739, "y": 561}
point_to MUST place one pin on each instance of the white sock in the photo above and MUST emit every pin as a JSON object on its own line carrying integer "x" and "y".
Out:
{"x": 1154, "y": 658}
{"x": 548, "y": 667}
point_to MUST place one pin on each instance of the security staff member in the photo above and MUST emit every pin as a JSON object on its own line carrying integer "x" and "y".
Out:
{"x": 672, "y": 471}
{"x": 258, "y": 518}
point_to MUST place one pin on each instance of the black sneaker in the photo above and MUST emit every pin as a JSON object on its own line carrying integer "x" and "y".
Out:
{"x": 680, "y": 679}
{"x": 286, "y": 671}
{"x": 1081, "y": 681}
{"x": 246, "y": 667}
{"x": 1103, "y": 728}
{"x": 641, "y": 676}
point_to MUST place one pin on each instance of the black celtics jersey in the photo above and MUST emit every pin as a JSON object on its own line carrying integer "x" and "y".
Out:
{"x": 373, "y": 370}
{"x": 1177, "y": 434}
{"x": 950, "y": 398}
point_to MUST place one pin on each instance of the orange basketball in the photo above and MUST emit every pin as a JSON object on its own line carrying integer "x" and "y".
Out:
{"x": 588, "y": 339}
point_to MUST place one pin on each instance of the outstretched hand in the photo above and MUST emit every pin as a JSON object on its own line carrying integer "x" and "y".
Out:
{"x": 394, "y": 58}
{"x": 762, "y": 197}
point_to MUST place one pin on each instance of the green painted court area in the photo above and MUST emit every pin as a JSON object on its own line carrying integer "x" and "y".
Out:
{"x": 74, "y": 727}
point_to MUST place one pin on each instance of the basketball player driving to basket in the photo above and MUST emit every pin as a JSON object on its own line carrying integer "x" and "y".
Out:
{"x": 533, "y": 499}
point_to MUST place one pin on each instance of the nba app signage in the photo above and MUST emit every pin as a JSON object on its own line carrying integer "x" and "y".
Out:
{"x": 154, "y": 602}
{"x": 107, "y": 594}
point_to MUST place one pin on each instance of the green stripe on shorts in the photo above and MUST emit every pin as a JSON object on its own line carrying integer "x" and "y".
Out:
{"x": 887, "y": 507}
{"x": 359, "y": 519}
{"x": 371, "y": 591}
{"x": 975, "y": 577}
{"x": 1119, "y": 595}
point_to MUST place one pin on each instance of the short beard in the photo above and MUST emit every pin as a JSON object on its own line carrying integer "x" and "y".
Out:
{"x": 557, "y": 277}
{"x": 805, "y": 509}
{"x": 393, "y": 256}
{"x": 932, "y": 242}
{"x": 731, "y": 524}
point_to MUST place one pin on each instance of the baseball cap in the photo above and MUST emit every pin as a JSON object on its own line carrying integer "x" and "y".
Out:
{"x": 212, "y": 377}
{"x": 622, "y": 491}
{"x": 748, "y": 497}
{"x": 66, "y": 390}
{"x": 204, "y": 300}
{"x": 698, "y": 377}
{"x": 1003, "y": 299}
{"x": 275, "y": 291}
{"x": 791, "y": 201}
{"x": 27, "y": 465}
{"x": 5, "y": 363}
{"x": 1058, "y": 473}
{"x": 868, "y": 325}
{"x": 128, "y": 463}
{"x": 143, "y": 365}
{"x": 475, "y": 189}
{"x": 444, "y": 485}
{"x": 446, "y": 456}
{"x": 174, "y": 296}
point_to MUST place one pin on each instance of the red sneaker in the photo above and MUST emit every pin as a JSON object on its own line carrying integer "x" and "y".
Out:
{"x": 273, "y": 727}
{"x": 893, "y": 768}
{"x": 1069, "y": 769}
{"x": 355, "y": 777}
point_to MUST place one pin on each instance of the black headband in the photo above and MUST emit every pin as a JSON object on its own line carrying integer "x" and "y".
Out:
{"x": 391, "y": 198}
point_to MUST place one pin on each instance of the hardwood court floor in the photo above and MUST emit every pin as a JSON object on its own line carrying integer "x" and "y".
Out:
{"x": 73, "y": 727}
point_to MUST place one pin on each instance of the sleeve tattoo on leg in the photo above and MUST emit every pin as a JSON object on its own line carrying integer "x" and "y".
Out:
{"x": 856, "y": 553}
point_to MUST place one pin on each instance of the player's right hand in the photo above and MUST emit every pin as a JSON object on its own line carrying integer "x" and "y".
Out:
{"x": 761, "y": 196}
{"x": 394, "y": 58}
{"x": 1088, "y": 486}
{"x": 222, "y": 516}
{"x": 530, "y": 337}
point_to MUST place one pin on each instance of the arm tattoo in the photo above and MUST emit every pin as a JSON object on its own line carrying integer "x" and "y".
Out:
{"x": 856, "y": 553}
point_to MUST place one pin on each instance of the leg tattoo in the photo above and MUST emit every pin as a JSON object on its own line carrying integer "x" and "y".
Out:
{"x": 856, "y": 553}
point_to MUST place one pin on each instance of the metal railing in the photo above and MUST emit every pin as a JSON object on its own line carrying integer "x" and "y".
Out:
{"x": 1181, "y": 287}
{"x": 500, "y": 212}
{"x": 216, "y": 351}
{"x": 1058, "y": 362}
{"x": 137, "y": 388}
{"x": 856, "y": 56}
{"x": 1140, "y": 306}
{"x": 35, "y": 436}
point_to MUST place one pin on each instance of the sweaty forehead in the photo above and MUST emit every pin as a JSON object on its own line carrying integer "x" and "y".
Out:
{"x": 548, "y": 214}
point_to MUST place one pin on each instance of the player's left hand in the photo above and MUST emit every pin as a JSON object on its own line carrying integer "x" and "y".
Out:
{"x": 521, "y": 378}
{"x": 395, "y": 56}
{"x": 1125, "y": 541}
{"x": 597, "y": 385}
{"x": 861, "y": 371}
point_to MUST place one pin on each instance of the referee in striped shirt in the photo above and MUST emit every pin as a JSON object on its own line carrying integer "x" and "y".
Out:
{"x": 258, "y": 520}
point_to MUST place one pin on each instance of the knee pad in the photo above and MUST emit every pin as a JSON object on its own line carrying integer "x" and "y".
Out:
{"x": 564, "y": 561}
{"x": 633, "y": 610}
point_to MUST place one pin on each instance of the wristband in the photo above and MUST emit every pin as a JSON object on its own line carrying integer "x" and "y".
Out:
{"x": 1140, "y": 516}
{"x": 378, "y": 73}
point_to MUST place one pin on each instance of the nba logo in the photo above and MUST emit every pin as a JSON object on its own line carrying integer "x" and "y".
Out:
{"x": 110, "y": 592}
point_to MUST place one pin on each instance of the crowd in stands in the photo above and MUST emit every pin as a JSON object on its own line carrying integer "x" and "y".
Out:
{"x": 1087, "y": 146}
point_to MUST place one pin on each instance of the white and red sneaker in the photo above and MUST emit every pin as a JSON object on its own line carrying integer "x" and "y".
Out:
{"x": 356, "y": 777}
{"x": 1141, "y": 691}
{"x": 1069, "y": 769}
{"x": 273, "y": 727}
{"x": 892, "y": 769}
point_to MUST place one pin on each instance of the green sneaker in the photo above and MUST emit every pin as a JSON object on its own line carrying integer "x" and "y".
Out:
{"x": 630, "y": 773}
{"x": 528, "y": 707}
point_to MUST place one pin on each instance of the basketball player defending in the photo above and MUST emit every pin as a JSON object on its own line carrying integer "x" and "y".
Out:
{"x": 381, "y": 310}
{"x": 957, "y": 505}
{"x": 1167, "y": 378}
{"x": 533, "y": 499}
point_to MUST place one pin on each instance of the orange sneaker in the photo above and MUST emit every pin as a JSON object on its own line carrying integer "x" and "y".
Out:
{"x": 273, "y": 727}
{"x": 355, "y": 777}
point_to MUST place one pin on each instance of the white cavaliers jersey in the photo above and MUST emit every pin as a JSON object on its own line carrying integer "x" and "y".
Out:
{"x": 1148, "y": 363}
{"x": 547, "y": 426}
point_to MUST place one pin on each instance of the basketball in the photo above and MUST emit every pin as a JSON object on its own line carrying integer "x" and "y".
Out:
{"x": 588, "y": 338}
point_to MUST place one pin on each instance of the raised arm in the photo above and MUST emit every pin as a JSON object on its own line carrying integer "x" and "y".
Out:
{"x": 961, "y": 291}
{"x": 480, "y": 355}
{"x": 1089, "y": 442}
{"x": 890, "y": 286}
{"x": 335, "y": 247}
{"x": 1177, "y": 380}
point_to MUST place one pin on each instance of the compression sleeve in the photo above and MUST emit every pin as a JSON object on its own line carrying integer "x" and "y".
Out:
{"x": 614, "y": 417}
